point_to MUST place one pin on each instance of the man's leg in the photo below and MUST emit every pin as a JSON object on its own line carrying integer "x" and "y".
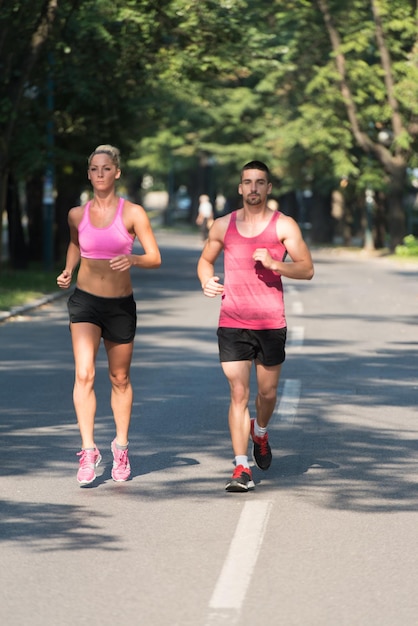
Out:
{"x": 238, "y": 376}
{"x": 267, "y": 383}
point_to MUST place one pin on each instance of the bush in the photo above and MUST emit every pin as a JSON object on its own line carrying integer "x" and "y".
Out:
{"x": 409, "y": 247}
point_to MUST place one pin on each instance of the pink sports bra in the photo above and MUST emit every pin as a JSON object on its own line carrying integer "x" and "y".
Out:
{"x": 104, "y": 243}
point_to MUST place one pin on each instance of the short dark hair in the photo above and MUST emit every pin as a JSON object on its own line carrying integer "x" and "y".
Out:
{"x": 257, "y": 165}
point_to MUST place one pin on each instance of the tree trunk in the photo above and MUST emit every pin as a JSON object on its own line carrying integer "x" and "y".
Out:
{"x": 321, "y": 219}
{"x": 34, "y": 191}
{"x": 379, "y": 224}
{"x": 396, "y": 217}
{"x": 18, "y": 251}
{"x": 3, "y": 194}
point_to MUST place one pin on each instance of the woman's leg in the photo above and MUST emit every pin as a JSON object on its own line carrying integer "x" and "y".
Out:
{"x": 86, "y": 341}
{"x": 119, "y": 358}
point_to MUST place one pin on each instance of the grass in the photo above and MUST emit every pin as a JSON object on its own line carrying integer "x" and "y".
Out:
{"x": 18, "y": 287}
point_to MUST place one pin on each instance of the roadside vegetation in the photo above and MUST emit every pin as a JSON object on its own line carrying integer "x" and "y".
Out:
{"x": 326, "y": 92}
{"x": 19, "y": 287}
{"x": 409, "y": 248}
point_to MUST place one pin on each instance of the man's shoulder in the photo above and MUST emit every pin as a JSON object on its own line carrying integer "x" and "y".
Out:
{"x": 285, "y": 220}
{"x": 286, "y": 227}
{"x": 225, "y": 219}
{"x": 219, "y": 227}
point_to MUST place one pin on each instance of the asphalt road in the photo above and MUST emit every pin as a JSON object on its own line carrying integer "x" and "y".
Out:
{"x": 327, "y": 538}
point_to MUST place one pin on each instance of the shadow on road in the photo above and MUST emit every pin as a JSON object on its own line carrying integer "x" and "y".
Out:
{"x": 180, "y": 413}
{"x": 54, "y": 527}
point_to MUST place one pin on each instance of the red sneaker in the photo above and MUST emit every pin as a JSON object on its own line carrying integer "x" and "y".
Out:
{"x": 261, "y": 449}
{"x": 241, "y": 481}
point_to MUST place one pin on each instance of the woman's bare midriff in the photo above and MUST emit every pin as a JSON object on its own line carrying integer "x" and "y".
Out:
{"x": 97, "y": 277}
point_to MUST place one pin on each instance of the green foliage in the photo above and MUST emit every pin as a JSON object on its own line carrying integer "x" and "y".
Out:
{"x": 172, "y": 80}
{"x": 409, "y": 247}
{"x": 20, "y": 287}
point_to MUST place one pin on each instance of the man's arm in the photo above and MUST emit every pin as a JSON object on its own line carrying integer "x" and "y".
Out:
{"x": 206, "y": 264}
{"x": 301, "y": 265}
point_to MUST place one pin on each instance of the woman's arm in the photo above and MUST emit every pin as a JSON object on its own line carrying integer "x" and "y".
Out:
{"x": 140, "y": 224}
{"x": 73, "y": 250}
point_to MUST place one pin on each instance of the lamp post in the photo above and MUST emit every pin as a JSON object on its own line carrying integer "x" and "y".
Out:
{"x": 48, "y": 200}
{"x": 169, "y": 212}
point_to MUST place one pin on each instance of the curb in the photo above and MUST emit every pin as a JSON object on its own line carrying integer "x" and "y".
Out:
{"x": 20, "y": 310}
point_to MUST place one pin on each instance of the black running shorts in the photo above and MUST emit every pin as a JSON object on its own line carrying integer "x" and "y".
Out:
{"x": 115, "y": 316}
{"x": 267, "y": 346}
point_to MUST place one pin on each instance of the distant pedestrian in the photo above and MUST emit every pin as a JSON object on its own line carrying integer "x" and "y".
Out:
{"x": 205, "y": 215}
{"x": 252, "y": 325}
{"x": 273, "y": 204}
{"x": 220, "y": 205}
{"x": 102, "y": 234}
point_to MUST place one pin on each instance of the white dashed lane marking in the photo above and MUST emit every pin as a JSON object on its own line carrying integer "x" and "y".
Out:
{"x": 235, "y": 577}
{"x": 289, "y": 401}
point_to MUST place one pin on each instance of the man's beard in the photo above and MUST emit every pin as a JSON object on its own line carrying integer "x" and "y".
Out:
{"x": 253, "y": 199}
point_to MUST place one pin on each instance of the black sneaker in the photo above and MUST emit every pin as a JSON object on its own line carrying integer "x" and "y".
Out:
{"x": 261, "y": 450}
{"x": 242, "y": 480}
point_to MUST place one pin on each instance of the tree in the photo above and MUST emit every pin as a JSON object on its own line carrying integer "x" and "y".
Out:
{"x": 317, "y": 89}
{"x": 390, "y": 96}
{"x": 18, "y": 56}
{"x": 306, "y": 86}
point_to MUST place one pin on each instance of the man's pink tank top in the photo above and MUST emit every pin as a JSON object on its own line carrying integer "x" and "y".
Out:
{"x": 253, "y": 295}
{"x": 104, "y": 243}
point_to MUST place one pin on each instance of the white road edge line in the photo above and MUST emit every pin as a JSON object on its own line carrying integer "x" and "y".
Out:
{"x": 289, "y": 401}
{"x": 296, "y": 337}
{"x": 235, "y": 577}
{"x": 297, "y": 307}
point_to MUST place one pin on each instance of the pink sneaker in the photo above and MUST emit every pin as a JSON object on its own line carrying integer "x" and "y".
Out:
{"x": 121, "y": 469}
{"x": 89, "y": 460}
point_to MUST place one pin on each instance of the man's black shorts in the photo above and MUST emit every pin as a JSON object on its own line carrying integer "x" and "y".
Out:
{"x": 267, "y": 346}
{"x": 115, "y": 316}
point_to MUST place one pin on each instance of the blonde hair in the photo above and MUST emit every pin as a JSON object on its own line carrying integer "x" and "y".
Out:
{"x": 107, "y": 149}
